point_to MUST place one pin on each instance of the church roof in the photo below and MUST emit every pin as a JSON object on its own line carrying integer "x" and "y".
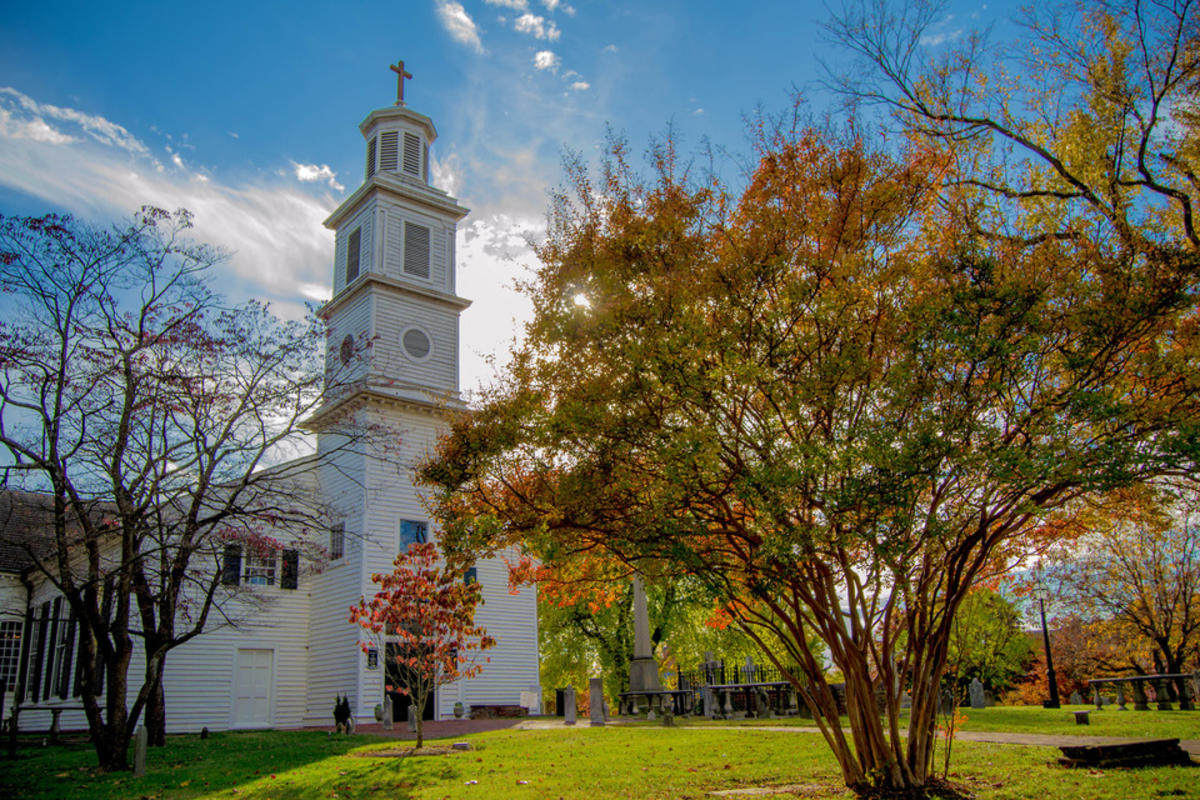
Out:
{"x": 26, "y": 528}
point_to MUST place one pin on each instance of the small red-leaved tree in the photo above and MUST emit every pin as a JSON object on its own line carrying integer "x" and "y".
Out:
{"x": 428, "y": 609}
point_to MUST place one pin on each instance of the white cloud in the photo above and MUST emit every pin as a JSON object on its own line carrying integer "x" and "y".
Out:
{"x": 698, "y": 112}
{"x": 96, "y": 127}
{"x": 610, "y": 48}
{"x": 92, "y": 169}
{"x": 176, "y": 160}
{"x": 307, "y": 173}
{"x": 458, "y": 24}
{"x": 549, "y": 4}
{"x": 546, "y": 59}
{"x": 515, "y": 5}
{"x": 581, "y": 86}
{"x": 537, "y": 27}
{"x": 36, "y": 129}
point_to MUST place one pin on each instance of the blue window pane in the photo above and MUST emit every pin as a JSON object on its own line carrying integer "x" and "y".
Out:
{"x": 411, "y": 532}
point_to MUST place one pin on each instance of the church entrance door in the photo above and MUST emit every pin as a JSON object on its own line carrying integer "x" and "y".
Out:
{"x": 400, "y": 676}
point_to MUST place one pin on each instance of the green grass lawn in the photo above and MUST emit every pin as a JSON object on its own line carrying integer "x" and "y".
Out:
{"x": 1060, "y": 721}
{"x": 583, "y": 762}
{"x": 1109, "y": 722}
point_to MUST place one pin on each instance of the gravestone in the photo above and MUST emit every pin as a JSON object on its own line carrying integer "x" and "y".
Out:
{"x": 140, "y": 740}
{"x": 711, "y": 668}
{"x": 977, "y": 698}
{"x": 387, "y": 712}
{"x": 708, "y": 701}
{"x": 946, "y": 703}
{"x": 412, "y": 717}
{"x": 749, "y": 671}
{"x": 763, "y": 700}
{"x": 905, "y": 700}
{"x": 596, "y": 708}
{"x": 569, "y": 710}
{"x": 1076, "y": 699}
{"x": 643, "y": 669}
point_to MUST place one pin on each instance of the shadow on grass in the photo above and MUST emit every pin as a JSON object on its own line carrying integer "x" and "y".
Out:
{"x": 295, "y": 764}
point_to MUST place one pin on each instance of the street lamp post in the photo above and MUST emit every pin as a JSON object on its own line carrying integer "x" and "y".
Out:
{"x": 1053, "y": 701}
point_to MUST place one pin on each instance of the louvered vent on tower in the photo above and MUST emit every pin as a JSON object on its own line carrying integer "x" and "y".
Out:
{"x": 387, "y": 151}
{"x": 412, "y": 154}
{"x": 371, "y": 157}
{"x": 416, "y": 250}
{"x": 353, "y": 253}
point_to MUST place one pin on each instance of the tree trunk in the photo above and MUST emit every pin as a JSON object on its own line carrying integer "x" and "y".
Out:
{"x": 155, "y": 718}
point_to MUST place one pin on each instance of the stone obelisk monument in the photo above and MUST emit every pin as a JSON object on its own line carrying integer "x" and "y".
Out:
{"x": 643, "y": 670}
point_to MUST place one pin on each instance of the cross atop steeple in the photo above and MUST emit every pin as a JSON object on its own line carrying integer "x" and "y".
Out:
{"x": 398, "y": 68}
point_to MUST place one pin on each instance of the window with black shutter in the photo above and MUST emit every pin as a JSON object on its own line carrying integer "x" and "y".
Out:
{"x": 231, "y": 567}
{"x": 289, "y": 576}
{"x": 371, "y": 157}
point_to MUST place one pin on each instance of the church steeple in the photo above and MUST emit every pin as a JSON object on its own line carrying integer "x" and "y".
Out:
{"x": 394, "y": 280}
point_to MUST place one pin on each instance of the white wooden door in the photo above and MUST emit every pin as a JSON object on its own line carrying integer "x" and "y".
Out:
{"x": 252, "y": 688}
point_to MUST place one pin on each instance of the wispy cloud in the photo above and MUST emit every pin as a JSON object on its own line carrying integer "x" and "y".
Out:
{"x": 515, "y": 5}
{"x": 537, "y": 27}
{"x": 308, "y": 173}
{"x": 96, "y": 169}
{"x": 580, "y": 86}
{"x": 93, "y": 126}
{"x": 545, "y": 59}
{"x": 458, "y": 23}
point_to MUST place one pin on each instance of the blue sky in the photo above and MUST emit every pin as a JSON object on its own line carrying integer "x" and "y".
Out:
{"x": 247, "y": 113}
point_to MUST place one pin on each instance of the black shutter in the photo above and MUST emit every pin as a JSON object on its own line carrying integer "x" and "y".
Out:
{"x": 353, "y": 254}
{"x": 40, "y": 656}
{"x": 52, "y": 650}
{"x": 231, "y": 569}
{"x": 23, "y": 664}
{"x": 64, "y": 674}
{"x": 79, "y": 676}
{"x": 290, "y": 574}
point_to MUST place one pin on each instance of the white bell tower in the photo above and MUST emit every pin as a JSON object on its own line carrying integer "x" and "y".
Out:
{"x": 394, "y": 322}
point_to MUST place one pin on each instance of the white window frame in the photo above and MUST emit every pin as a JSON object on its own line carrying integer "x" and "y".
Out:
{"x": 257, "y": 569}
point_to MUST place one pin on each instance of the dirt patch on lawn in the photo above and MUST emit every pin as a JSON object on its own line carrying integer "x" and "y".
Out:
{"x": 793, "y": 789}
{"x": 405, "y": 752}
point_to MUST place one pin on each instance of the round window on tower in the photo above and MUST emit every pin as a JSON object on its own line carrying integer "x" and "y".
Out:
{"x": 347, "y": 351}
{"x": 416, "y": 343}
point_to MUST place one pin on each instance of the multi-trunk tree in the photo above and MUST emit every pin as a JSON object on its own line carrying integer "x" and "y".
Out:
{"x": 145, "y": 409}
{"x": 424, "y": 609}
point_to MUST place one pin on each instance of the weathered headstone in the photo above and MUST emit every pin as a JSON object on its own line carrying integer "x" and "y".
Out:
{"x": 569, "y": 709}
{"x": 387, "y": 712}
{"x": 711, "y": 668}
{"x": 412, "y": 717}
{"x": 1076, "y": 699}
{"x": 140, "y": 740}
{"x": 708, "y": 701}
{"x": 596, "y": 701}
{"x": 749, "y": 671}
{"x": 946, "y": 703}
{"x": 763, "y": 700}
{"x": 977, "y": 698}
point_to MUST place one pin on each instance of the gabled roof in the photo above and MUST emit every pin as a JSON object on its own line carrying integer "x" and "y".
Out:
{"x": 26, "y": 528}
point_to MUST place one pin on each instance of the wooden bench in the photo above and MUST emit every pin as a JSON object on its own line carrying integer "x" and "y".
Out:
{"x": 1151, "y": 752}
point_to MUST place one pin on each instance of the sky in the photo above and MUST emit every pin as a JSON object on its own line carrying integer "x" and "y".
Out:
{"x": 247, "y": 114}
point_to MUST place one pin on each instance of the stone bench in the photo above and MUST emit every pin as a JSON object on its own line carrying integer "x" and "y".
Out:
{"x": 1150, "y": 752}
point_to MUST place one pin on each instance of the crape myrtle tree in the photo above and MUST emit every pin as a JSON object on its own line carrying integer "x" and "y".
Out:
{"x": 426, "y": 608}
{"x": 832, "y": 397}
{"x": 148, "y": 409}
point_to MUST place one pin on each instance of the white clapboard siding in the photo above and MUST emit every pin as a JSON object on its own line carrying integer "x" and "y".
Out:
{"x": 394, "y": 314}
{"x": 441, "y": 234}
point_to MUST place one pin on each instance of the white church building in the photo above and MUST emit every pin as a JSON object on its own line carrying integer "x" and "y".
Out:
{"x": 393, "y": 285}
